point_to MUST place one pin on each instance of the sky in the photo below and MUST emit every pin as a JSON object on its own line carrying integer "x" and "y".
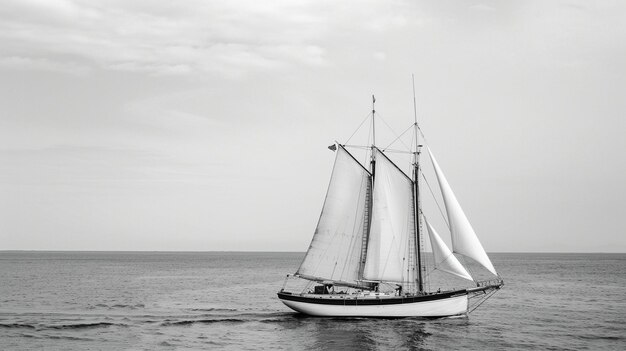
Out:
{"x": 204, "y": 125}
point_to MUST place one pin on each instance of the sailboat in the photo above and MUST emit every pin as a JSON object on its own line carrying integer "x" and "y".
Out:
{"x": 367, "y": 258}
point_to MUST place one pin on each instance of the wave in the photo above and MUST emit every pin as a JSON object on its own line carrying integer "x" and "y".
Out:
{"x": 18, "y": 325}
{"x": 85, "y": 325}
{"x": 202, "y": 316}
{"x": 275, "y": 317}
{"x": 117, "y": 306}
{"x": 599, "y": 337}
{"x": 66, "y": 337}
{"x": 62, "y": 326}
{"x": 204, "y": 321}
{"x": 213, "y": 309}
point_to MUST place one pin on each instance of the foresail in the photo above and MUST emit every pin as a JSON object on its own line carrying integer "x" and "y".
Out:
{"x": 392, "y": 228}
{"x": 444, "y": 259}
{"x": 464, "y": 239}
{"x": 335, "y": 249}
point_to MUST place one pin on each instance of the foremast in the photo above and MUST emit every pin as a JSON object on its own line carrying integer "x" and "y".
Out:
{"x": 370, "y": 192}
{"x": 369, "y": 197}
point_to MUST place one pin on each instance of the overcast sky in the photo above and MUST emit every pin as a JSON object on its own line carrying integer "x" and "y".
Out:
{"x": 203, "y": 125}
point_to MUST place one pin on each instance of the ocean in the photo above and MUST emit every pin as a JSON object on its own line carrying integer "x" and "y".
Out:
{"x": 227, "y": 301}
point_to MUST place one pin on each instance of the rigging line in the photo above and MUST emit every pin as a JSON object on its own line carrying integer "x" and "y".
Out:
{"x": 398, "y": 151}
{"x": 359, "y": 127}
{"x": 436, "y": 202}
{"x": 363, "y": 147}
{"x": 399, "y": 136}
{"x": 485, "y": 298}
{"x": 467, "y": 266}
{"x": 392, "y": 130}
{"x": 436, "y": 264}
{"x": 308, "y": 285}
{"x": 427, "y": 275}
{"x": 422, "y": 133}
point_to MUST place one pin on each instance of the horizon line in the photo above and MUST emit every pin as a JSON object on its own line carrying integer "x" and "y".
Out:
{"x": 280, "y": 251}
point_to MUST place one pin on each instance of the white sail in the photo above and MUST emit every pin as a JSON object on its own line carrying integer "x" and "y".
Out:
{"x": 392, "y": 227}
{"x": 464, "y": 239}
{"x": 444, "y": 259}
{"x": 335, "y": 250}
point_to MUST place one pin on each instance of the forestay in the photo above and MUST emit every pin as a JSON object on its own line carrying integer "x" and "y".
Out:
{"x": 444, "y": 259}
{"x": 464, "y": 239}
{"x": 335, "y": 249}
{"x": 392, "y": 227}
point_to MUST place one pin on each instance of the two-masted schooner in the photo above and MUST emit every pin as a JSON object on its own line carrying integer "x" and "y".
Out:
{"x": 366, "y": 258}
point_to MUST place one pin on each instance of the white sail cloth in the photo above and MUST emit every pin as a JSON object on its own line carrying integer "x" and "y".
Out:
{"x": 392, "y": 227}
{"x": 335, "y": 250}
{"x": 464, "y": 239}
{"x": 444, "y": 259}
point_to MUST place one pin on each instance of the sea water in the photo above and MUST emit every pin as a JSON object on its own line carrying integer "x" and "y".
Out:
{"x": 227, "y": 301}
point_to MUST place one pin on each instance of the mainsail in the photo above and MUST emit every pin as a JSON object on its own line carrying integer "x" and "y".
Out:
{"x": 392, "y": 228}
{"x": 464, "y": 239}
{"x": 335, "y": 249}
{"x": 444, "y": 259}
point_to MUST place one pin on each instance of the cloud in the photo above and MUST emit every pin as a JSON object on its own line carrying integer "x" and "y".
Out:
{"x": 159, "y": 38}
{"x": 208, "y": 37}
{"x": 23, "y": 63}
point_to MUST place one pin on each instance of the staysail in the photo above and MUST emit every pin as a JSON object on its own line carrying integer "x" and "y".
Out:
{"x": 444, "y": 259}
{"x": 464, "y": 239}
{"x": 335, "y": 250}
{"x": 392, "y": 227}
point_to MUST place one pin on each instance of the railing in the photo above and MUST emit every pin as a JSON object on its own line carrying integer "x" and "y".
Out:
{"x": 490, "y": 282}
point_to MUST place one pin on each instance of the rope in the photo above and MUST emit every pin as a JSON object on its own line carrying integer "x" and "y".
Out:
{"x": 398, "y": 137}
{"x": 398, "y": 151}
{"x": 393, "y": 131}
{"x": 422, "y": 134}
{"x": 362, "y": 147}
{"x": 359, "y": 127}
{"x": 482, "y": 301}
{"x": 467, "y": 266}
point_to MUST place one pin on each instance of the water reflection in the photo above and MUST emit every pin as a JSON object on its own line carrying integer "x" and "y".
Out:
{"x": 366, "y": 333}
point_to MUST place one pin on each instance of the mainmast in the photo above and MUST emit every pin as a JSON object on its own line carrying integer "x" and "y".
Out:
{"x": 416, "y": 179}
{"x": 370, "y": 206}
{"x": 373, "y": 124}
{"x": 373, "y": 158}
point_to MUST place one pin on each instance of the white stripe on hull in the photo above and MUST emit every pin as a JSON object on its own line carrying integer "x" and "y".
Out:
{"x": 437, "y": 308}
